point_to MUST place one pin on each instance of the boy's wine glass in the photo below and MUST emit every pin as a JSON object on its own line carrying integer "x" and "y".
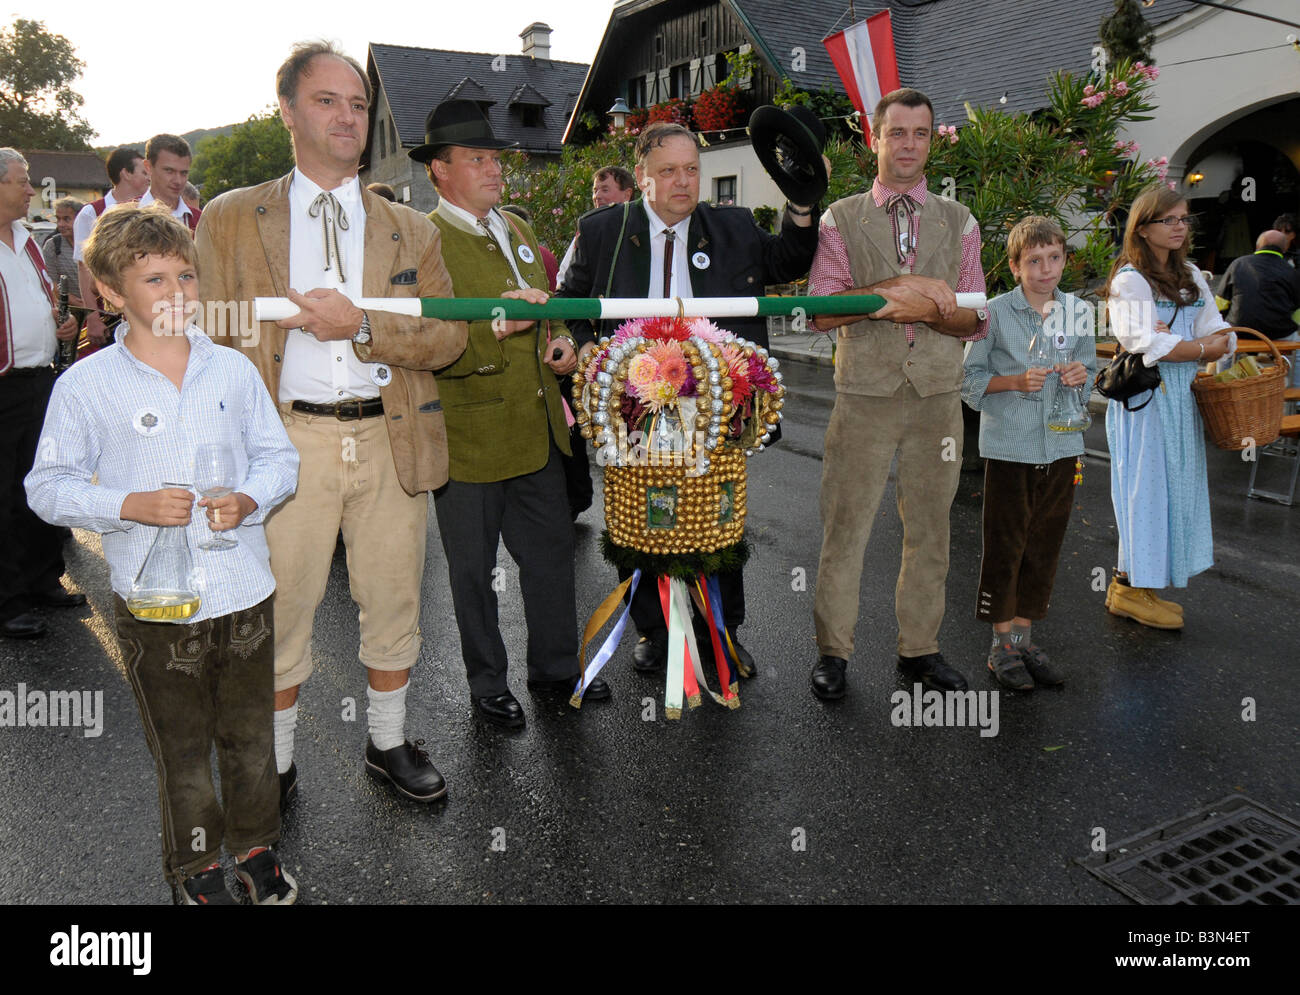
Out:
{"x": 1041, "y": 355}
{"x": 214, "y": 477}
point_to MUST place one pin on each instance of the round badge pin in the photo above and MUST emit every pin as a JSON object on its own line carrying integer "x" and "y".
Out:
{"x": 700, "y": 260}
{"x": 1060, "y": 341}
{"x": 380, "y": 375}
{"x": 526, "y": 254}
{"x": 147, "y": 422}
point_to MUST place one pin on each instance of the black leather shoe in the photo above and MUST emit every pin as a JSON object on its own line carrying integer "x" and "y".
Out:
{"x": 57, "y": 597}
{"x": 500, "y": 709}
{"x": 746, "y": 668}
{"x": 931, "y": 671}
{"x": 408, "y": 768}
{"x": 288, "y": 786}
{"x": 24, "y": 626}
{"x": 828, "y": 681}
{"x": 651, "y": 653}
{"x": 597, "y": 690}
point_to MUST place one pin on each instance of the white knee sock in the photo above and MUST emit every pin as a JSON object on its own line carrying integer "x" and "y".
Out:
{"x": 286, "y": 720}
{"x": 386, "y": 715}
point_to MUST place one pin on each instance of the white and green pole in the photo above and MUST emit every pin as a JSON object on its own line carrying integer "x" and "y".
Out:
{"x": 606, "y": 308}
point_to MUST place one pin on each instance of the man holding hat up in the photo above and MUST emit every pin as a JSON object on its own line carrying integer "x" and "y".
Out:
{"x": 506, "y": 428}
{"x": 668, "y": 244}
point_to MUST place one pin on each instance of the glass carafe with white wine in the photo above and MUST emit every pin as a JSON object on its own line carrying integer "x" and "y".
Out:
{"x": 165, "y": 590}
{"x": 1069, "y": 413}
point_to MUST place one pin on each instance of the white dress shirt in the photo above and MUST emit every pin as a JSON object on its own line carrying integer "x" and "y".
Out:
{"x": 315, "y": 371}
{"x": 115, "y": 420}
{"x": 84, "y": 223}
{"x": 681, "y": 282}
{"x": 31, "y": 324}
{"x": 181, "y": 212}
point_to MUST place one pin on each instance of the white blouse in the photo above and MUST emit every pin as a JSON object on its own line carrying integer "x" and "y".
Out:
{"x": 1131, "y": 311}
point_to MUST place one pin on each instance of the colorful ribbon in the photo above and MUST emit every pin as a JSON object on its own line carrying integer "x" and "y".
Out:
{"x": 594, "y": 624}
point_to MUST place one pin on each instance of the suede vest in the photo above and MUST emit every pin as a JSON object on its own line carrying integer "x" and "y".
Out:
{"x": 502, "y": 413}
{"x": 872, "y": 357}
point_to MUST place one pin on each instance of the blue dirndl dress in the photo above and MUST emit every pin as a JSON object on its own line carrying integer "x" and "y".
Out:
{"x": 1158, "y": 480}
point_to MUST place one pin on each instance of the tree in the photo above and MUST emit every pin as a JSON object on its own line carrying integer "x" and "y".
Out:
{"x": 1125, "y": 34}
{"x": 254, "y": 152}
{"x": 38, "y": 107}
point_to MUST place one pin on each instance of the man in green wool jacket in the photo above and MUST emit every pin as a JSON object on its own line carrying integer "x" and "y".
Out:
{"x": 506, "y": 428}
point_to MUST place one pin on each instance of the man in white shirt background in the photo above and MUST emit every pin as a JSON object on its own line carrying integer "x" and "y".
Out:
{"x": 33, "y": 559}
{"x": 130, "y": 178}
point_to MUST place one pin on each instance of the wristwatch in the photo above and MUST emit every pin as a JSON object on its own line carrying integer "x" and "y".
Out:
{"x": 362, "y": 336}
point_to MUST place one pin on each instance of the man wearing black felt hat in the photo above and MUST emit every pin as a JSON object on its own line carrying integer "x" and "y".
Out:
{"x": 506, "y": 428}
{"x": 668, "y": 244}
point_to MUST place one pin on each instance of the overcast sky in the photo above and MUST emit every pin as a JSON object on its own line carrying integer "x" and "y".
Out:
{"x": 142, "y": 78}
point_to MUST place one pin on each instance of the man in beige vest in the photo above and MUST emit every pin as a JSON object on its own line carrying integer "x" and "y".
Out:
{"x": 898, "y": 375}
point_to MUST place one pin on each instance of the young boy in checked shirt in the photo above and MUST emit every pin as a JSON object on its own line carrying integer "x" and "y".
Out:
{"x": 135, "y": 413}
{"x": 1029, "y": 476}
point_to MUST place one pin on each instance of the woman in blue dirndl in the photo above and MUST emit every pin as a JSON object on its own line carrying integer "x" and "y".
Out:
{"x": 1159, "y": 306}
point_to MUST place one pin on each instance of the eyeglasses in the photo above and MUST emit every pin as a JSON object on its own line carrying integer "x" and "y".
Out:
{"x": 1187, "y": 220}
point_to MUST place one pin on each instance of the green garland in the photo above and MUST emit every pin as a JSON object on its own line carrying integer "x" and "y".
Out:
{"x": 684, "y": 566}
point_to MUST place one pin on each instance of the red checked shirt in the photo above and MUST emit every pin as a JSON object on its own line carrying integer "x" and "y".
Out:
{"x": 832, "y": 274}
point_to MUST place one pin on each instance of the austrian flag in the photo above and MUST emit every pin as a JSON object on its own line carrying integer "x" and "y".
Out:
{"x": 864, "y": 57}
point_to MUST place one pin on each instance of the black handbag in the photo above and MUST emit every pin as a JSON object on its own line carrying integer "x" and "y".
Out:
{"x": 1126, "y": 377}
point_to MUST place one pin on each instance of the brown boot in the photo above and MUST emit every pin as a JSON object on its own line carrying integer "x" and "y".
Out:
{"x": 1117, "y": 584}
{"x": 1139, "y": 604}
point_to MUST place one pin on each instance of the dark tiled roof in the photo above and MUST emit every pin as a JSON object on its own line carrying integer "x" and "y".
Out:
{"x": 469, "y": 89}
{"x": 71, "y": 170}
{"x": 417, "y": 79}
{"x": 526, "y": 94}
{"x": 954, "y": 50}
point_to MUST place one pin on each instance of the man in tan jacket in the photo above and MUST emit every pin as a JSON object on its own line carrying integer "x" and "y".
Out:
{"x": 358, "y": 401}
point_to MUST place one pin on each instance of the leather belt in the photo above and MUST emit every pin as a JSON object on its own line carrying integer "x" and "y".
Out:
{"x": 344, "y": 410}
{"x": 28, "y": 371}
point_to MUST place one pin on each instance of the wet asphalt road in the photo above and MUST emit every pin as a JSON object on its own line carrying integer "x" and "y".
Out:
{"x": 606, "y": 805}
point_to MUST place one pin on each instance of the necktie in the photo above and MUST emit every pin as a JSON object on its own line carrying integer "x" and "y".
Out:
{"x": 902, "y": 209}
{"x": 330, "y": 211}
{"x": 669, "y": 238}
{"x": 487, "y": 230}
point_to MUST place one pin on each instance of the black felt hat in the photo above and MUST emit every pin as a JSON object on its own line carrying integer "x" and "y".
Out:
{"x": 788, "y": 142}
{"x": 457, "y": 122}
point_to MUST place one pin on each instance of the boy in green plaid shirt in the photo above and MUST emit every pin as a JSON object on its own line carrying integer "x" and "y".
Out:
{"x": 1030, "y": 470}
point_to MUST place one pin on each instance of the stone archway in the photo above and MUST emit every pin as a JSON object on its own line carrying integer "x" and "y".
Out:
{"x": 1240, "y": 172}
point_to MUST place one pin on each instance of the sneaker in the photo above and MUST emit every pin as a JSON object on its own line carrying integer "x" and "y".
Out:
{"x": 205, "y": 888}
{"x": 1040, "y": 667}
{"x": 1008, "y": 668}
{"x": 1141, "y": 605}
{"x": 267, "y": 882}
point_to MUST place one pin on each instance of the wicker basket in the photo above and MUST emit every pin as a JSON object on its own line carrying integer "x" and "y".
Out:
{"x": 668, "y": 510}
{"x": 1245, "y": 412}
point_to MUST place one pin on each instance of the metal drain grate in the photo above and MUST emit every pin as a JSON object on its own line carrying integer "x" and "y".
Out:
{"x": 1234, "y": 852}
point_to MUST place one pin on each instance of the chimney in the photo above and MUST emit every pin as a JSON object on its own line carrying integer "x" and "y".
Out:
{"x": 537, "y": 40}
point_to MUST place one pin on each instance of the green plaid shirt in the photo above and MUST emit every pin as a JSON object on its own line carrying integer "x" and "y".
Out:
{"x": 1012, "y": 427}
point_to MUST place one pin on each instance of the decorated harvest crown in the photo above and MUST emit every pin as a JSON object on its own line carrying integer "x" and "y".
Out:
{"x": 673, "y": 407}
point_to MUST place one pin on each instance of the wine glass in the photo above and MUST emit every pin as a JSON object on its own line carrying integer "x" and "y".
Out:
{"x": 214, "y": 477}
{"x": 1040, "y": 355}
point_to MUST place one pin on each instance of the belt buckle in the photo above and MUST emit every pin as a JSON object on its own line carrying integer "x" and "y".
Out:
{"x": 343, "y": 406}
